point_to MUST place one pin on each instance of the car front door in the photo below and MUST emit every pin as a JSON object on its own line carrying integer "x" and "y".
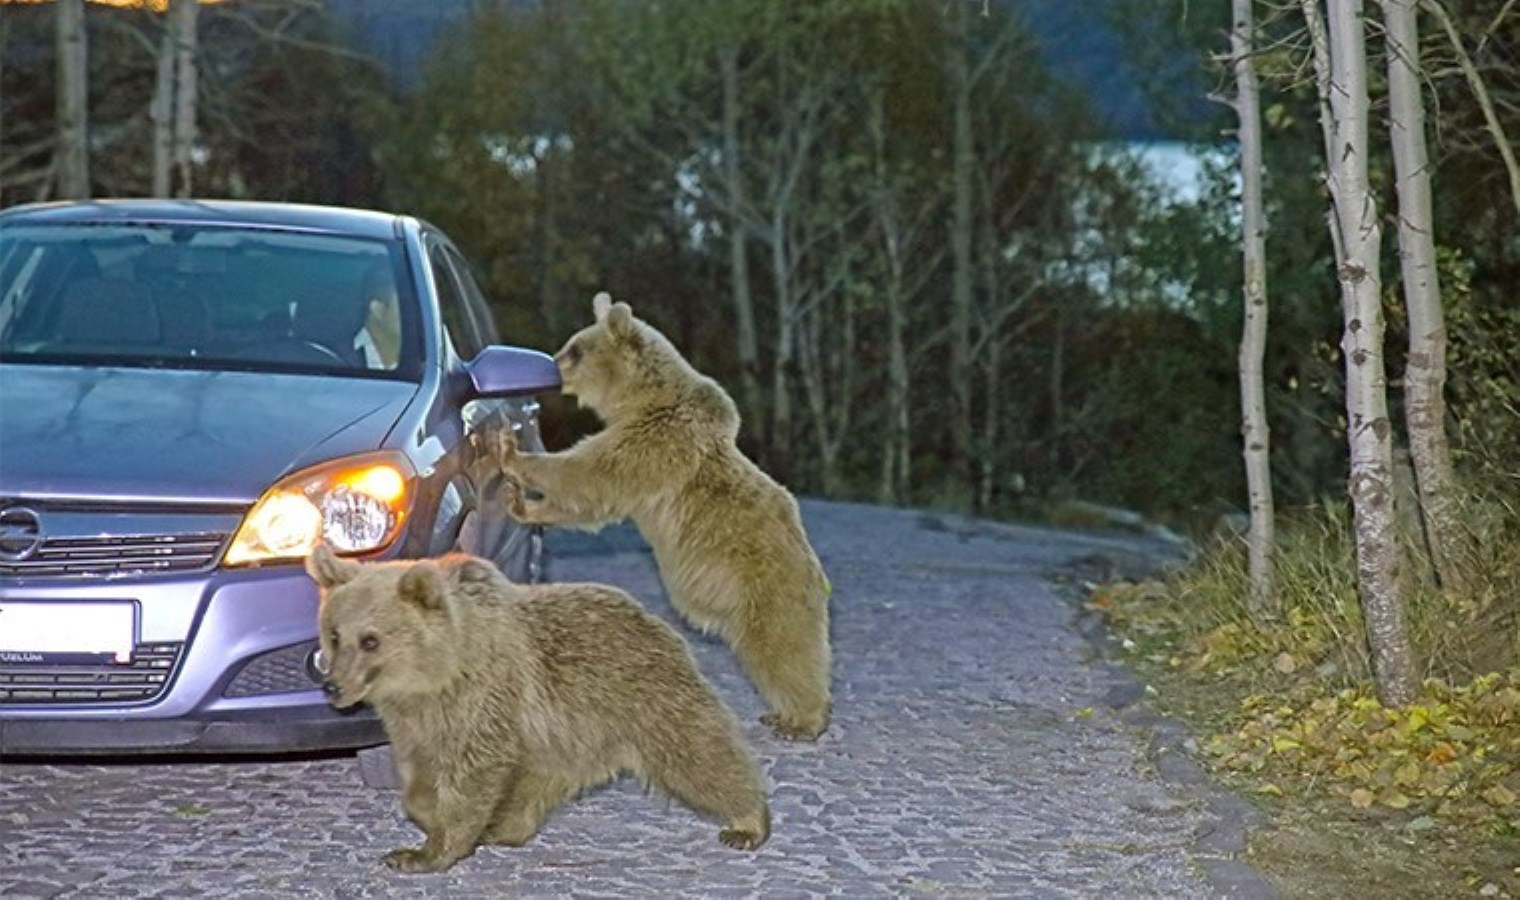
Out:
{"x": 485, "y": 528}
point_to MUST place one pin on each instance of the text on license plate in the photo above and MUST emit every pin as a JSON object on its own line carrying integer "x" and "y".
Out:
{"x": 55, "y": 628}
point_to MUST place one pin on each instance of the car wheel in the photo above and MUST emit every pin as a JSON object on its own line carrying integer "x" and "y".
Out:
{"x": 377, "y": 768}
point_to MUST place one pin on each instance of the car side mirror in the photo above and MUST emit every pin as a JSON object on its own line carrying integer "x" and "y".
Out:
{"x": 500, "y": 371}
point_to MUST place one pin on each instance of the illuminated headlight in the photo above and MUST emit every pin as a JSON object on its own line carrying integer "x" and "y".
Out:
{"x": 356, "y": 505}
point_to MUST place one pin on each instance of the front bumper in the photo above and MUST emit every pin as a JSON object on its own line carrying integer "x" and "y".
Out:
{"x": 286, "y": 730}
{"x": 238, "y": 680}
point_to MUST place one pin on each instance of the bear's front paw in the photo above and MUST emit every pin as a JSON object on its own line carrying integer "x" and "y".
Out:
{"x": 413, "y": 860}
{"x": 516, "y": 497}
{"x": 496, "y": 446}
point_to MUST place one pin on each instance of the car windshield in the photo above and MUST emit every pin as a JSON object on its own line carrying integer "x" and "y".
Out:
{"x": 206, "y": 297}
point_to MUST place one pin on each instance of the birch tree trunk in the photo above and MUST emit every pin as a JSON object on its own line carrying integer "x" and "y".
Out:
{"x": 1425, "y": 372}
{"x": 73, "y": 101}
{"x": 963, "y": 164}
{"x": 738, "y": 257}
{"x": 5, "y": 39}
{"x": 895, "y": 453}
{"x": 1379, "y": 552}
{"x": 184, "y": 13}
{"x": 781, "y": 387}
{"x": 161, "y": 110}
{"x": 1254, "y": 431}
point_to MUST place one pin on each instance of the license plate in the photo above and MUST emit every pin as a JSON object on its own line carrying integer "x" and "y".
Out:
{"x": 42, "y": 632}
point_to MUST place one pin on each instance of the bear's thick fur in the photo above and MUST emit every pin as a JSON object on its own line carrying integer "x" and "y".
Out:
{"x": 728, "y": 540}
{"x": 502, "y": 701}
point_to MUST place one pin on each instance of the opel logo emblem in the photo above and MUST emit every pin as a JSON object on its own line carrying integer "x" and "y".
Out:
{"x": 20, "y": 533}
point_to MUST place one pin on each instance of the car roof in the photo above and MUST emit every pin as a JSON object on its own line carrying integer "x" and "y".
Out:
{"x": 257, "y": 214}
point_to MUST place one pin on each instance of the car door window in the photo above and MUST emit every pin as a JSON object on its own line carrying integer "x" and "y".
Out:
{"x": 479, "y": 309}
{"x": 458, "y": 325}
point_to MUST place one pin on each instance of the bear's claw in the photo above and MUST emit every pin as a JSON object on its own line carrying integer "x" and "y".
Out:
{"x": 412, "y": 859}
{"x": 740, "y": 838}
{"x": 499, "y": 445}
{"x": 790, "y": 730}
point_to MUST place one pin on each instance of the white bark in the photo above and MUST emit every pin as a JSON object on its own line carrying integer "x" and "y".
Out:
{"x": 73, "y": 101}
{"x": 1425, "y": 373}
{"x": 1379, "y": 551}
{"x": 1254, "y": 431}
{"x": 161, "y": 111}
{"x": 184, "y": 13}
{"x": 744, "y": 308}
{"x": 963, "y": 164}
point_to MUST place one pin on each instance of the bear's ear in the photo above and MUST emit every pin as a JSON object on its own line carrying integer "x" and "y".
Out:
{"x": 463, "y": 569}
{"x": 620, "y": 318}
{"x": 601, "y": 304}
{"x": 327, "y": 570}
{"x": 423, "y": 585}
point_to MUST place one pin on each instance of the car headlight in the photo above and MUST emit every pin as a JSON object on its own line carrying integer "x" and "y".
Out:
{"x": 356, "y": 505}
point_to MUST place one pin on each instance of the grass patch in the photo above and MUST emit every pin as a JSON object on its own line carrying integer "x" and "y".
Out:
{"x": 1418, "y": 801}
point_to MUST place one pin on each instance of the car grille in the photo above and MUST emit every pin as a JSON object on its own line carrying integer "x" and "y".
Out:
{"x": 141, "y": 680}
{"x": 134, "y": 555}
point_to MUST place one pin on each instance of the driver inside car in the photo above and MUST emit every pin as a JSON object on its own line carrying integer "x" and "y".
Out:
{"x": 379, "y": 341}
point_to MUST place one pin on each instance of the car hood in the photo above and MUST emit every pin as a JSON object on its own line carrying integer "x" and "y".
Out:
{"x": 175, "y": 435}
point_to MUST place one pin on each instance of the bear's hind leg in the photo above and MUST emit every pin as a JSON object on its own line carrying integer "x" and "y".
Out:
{"x": 719, "y": 781}
{"x": 787, "y": 659}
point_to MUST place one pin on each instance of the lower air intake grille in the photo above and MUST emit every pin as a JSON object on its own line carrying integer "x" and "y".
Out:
{"x": 282, "y": 671}
{"x": 141, "y": 680}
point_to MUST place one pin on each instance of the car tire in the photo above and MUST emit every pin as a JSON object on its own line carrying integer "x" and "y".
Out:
{"x": 377, "y": 768}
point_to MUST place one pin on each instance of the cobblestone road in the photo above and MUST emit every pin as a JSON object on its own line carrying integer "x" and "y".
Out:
{"x": 977, "y": 749}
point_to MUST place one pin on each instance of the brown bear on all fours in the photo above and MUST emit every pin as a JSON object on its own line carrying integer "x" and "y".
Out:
{"x": 502, "y": 701}
{"x": 728, "y": 539}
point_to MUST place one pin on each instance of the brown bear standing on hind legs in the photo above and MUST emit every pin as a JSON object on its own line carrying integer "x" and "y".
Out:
{"x": 503, "y": 701}
{"x": 728, "y": 540}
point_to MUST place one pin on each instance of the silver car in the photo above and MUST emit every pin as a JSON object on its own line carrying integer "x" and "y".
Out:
{"x": 192, "y": 394}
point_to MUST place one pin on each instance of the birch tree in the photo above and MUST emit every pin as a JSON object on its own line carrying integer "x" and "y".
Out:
{"x": 1425, "y": 371}
{"x": 73, "y": 152}
{"x": 183, "y": 15}
{"x": 161, "y": 110}
{"x": 963, "y": 169}
{"x": 1369, "y": 431}
{"x": 1254, "y": 431}
{"x": 745, "y": 334}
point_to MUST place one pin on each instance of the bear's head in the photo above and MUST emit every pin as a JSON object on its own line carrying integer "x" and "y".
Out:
{"x": 387, "y": 630}
{"x": 618, "y": 360}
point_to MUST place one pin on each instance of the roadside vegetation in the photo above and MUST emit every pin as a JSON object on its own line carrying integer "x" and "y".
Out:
{"x": 1419, "y": 800}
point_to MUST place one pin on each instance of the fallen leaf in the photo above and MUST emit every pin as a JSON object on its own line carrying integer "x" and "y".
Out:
{"x": 1394, "y": 800}
{"x": 191, "y": 810}
{"x": 1407, "y": 774}
{"x": 1285, "y": 663}
{"x": 1441, "y": 753}
{"x": 1499, "y": 795}
{"x": 1361, "y": 798}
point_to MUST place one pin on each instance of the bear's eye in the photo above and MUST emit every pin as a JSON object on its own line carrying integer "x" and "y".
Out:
{"x": 333, "y": 636}
{"x": 573, "y": 352}
{"x": 369, "y": 643}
